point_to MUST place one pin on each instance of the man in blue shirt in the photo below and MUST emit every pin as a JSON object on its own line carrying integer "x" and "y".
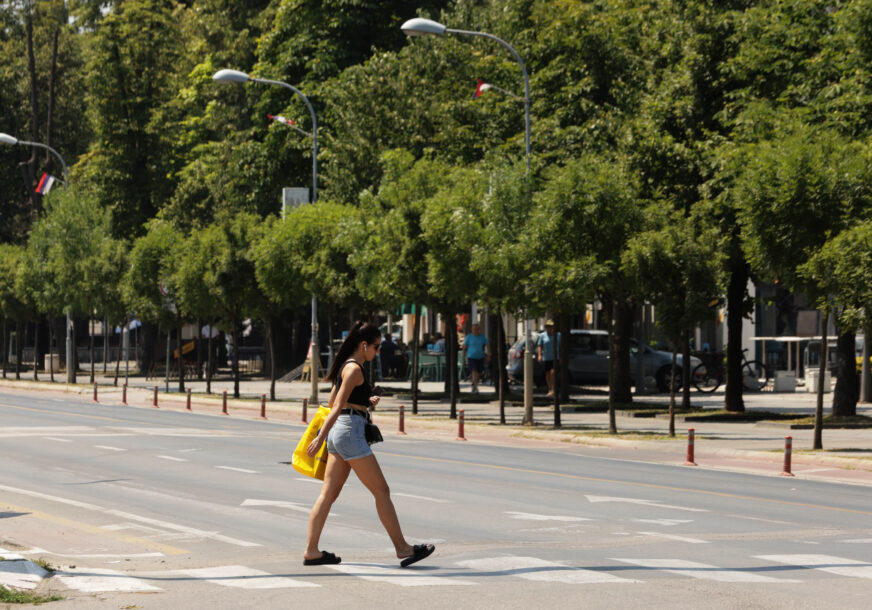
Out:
{"x": 475, "y": 352}
{"x": 545, "y": 347}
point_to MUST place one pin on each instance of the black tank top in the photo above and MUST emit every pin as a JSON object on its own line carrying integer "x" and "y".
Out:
{"x": 360, "y": 394}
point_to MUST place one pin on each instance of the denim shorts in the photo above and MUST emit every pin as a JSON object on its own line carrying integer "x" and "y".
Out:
{"x": 347, "y": 438}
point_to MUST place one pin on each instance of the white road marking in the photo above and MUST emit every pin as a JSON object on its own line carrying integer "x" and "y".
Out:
{"x": 643, "y": 502}
{"x": 187, "y": 450}
{"x": 532, "y": 517}
{"x": 436, "y": 500}
{"x": 858, "y": 541}
{"x": 702, "y": 571}
{"x": 531, "y": 568}
{"x": 171, "y": 458}
{"x": 309, "y": 480}
{"x": 245, "y": 470}
{"x": 663, "y": 521}
{"x": 281, "y": 504}
{"x": 243, "y": 577}
{"x": 98, "y": 580}
{"x": 825, "y": 563}
{"x": 674, "y": 537}
{"x": 59, "y": 440}
{"x": 20, "y": 573}
{"x": 130, "y": 516}
{"x": 109, "y": 448}
{"x": 396, "y": 576}
{"x": 9, "y": 555}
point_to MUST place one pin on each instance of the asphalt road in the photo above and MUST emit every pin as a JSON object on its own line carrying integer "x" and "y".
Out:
{"x": 148, "y": 508}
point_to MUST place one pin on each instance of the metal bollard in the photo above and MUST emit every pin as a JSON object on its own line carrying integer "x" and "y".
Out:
{"x": 95, "y": 392}
{"x": 224, "y": 404}
{"x": 263, "y": 406}
{"x": 154, "y": 403}
{"x": 188, "y": 402}
{"x": 788, "y": 450}
{"x": 305, "y": 408}
{"x": 124, "y": 394}
{"x": 460, "y": 436}
{"x": 402, "y": 429}
{"x": 689, "y": 461}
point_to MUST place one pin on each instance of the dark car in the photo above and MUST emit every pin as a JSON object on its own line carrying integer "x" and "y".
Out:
{"x": 589, "y": 360}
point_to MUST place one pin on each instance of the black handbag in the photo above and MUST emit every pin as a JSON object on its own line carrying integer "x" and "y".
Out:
{"x": 373, "y": 434}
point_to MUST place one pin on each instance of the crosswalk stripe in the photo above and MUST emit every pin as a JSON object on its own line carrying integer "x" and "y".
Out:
{"x": 396, "y": 576}
{"x": 702, "y": 571}
{"x": 96, "y": 580}
{"x": 531, "y": 568}
{"x": 243, "y": 577}
{"x": 825, "y": 563}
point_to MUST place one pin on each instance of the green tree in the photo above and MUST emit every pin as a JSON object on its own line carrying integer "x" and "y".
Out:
{"x": 11, "y": 306}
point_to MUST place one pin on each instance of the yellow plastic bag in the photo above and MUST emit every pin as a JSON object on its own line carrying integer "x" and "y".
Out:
{"x": 314, "y": 467}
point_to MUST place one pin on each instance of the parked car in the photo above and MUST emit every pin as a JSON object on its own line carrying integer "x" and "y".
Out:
{"x": 589, "y": 360}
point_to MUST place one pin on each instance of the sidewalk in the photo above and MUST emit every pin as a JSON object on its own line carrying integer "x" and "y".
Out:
{"x": 745, "y": 447}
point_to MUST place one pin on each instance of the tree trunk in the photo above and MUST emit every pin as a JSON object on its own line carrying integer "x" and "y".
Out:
{"x": 272, "y": 358}
{"x": 562, "y": 342}
{"x": 30, "y": 164}
{"x": 199, "y": 351}
{"x": 105, "y": 344}
{"x": 18, "y": 330}
{"x": 672, "y": 390}
{"x": 865, "y": 372}
{"x": 566, "y": 333}
{"x": 500, "y": 378}
{"x": 620, "y": 385}
{"x": 607, "y": 309}
{"x": 847, "y": 392}
{"x": 36, "y": 350}
{"x": 209, "y": 364}
{"x": 685, "y": 370}
{"x": 235, "y": 335}
{"x": 5, "y": 348}
{"x": 181, "y": 358}
{"x": 413, "y": 361}
{"x": 91, "y": 342}
{"x": 733, "y": 400}
{"x": 118, "y": 361}
{"x": 451, "y": 362}
{"x": 51, "y": 342}
{"x": 822, "y": 377}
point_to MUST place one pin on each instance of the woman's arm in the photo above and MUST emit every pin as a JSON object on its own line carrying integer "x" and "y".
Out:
{"x": 351, "y": 378}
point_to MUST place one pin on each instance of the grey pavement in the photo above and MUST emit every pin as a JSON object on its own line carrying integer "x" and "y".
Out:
{"x": 747, "y": 447}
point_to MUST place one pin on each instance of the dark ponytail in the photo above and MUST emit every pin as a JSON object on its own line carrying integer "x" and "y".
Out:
{"x": 361, "y": 331}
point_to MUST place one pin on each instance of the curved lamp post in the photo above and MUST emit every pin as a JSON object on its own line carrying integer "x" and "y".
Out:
{"x": 235, "y": 76}
{"x": 425, "y": 27}
{"x": 5, "y": 138}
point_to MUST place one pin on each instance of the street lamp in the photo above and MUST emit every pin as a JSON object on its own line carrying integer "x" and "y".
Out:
{"x": 425, "y": 27}
{"x": 235, "y": 76}
{"x": 5, "y": 138}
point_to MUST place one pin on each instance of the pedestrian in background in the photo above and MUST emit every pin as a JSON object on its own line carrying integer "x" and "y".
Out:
{"x": 475, "y": 353}
{"x": 343, "y": 431}
{"x": 545, "y": 348}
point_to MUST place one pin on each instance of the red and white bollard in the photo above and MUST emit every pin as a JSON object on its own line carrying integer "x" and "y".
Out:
{"x": 154, "y": 402}
{"x": 689, "y": 461}
{"x": 124, "y": 394}
{"x": 460, "y": 436}
{"x": 188, "y": 401}
{"x": 95, "y": 392}
{"x": 224, "y": 404}
{"x": 305, "y": 408}
{"x": 402, "y": 429}
{"x": 263, "y": 406}
{"x": 788, "y": 449}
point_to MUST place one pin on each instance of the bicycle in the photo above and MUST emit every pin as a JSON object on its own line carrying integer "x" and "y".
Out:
{"x": 708, "y": 376}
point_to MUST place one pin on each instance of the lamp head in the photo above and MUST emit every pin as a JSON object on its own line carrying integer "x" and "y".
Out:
{"x": 231, "y": 76}
{"x": 422, "y": 27}
{"x": 5, "y": 138}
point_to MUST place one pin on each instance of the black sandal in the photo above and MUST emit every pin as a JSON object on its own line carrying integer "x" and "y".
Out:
{"x": 326, "y": 558}
{"x": 420, "y": 551}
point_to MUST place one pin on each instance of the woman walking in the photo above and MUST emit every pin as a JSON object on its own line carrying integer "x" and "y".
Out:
{"x": 348, "y": 450}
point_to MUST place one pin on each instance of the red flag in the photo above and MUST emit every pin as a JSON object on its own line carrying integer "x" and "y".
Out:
{"x": 480, "y": 88}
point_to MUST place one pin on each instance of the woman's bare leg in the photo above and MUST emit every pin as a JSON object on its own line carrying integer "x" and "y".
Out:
{"x": 370, "y": 474}
{"x": 334, "y": 480}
